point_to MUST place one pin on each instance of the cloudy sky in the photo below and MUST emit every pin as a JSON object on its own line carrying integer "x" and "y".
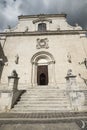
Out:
{"x": 10, "y": 9}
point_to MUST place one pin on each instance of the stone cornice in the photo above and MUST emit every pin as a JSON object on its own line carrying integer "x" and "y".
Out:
{"x": 41, "y": 15}
{"x": 61, "y": 32}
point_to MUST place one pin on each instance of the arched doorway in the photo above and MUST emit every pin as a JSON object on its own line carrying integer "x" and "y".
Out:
{"x": 43, "y": 70}
{"x": 42, "y": 75}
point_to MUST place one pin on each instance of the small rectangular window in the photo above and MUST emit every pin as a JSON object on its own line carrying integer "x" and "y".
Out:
{"x": 42, "y": 27}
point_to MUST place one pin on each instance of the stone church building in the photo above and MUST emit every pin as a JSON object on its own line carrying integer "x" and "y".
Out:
{"x": 43, "y": 66}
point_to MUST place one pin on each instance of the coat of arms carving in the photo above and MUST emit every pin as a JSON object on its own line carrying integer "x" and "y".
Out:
{"x": 42, "y": 43}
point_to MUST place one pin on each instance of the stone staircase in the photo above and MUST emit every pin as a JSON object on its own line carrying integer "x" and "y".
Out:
{"x": 43, "y": 99}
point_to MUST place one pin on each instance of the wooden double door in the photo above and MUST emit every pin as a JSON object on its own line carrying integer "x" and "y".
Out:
{"x": 42, "y": 75}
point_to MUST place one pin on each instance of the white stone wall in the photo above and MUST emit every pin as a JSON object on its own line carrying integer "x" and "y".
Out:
{"x": 59, "y": 46}
{"x": 58, "y": 23}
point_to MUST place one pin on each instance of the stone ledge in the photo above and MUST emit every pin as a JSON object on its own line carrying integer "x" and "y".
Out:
{"x": 61, "y": 32}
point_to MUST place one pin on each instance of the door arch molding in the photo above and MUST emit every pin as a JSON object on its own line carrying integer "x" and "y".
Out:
{"x": 50, "y": 63}
{"x": 42, "y": 54}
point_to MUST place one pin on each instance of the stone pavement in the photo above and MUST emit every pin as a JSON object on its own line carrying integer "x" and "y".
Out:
{"x": 52, "y": 126}
{"x": 43, "y": 121}
{"x": 57, "y": 115}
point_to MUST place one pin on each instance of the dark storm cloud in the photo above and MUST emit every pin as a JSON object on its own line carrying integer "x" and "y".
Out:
{"x": 10, "y": 9}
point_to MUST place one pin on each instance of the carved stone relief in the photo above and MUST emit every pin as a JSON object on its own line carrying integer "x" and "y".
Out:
{"x": 84, "y": 79}
{"x": 71, "y": 80}
{"x": 41, "y": 19}
{"x": 69, "y": 72}
{"x": 16, "y": 59}
{"x": 14, "y": 73}
{"x": 69, "y": 57}
{"x": 77, "y": 27}
{"x": 84, "y": 62}
{"x": 42, "y": 43}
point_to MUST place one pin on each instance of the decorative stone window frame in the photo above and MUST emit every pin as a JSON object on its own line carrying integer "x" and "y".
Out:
{"x": 46, "y": 22}
{"x": 42, "y": 27}
{"x": 51, "y": 67}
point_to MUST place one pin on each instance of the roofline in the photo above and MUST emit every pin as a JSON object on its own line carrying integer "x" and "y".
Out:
{"x": 41, "y": 15}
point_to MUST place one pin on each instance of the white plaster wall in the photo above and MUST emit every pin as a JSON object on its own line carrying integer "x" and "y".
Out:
{"x": 57, "y": 22}
{"x": 59, "y": 46}
{"x": 5, "y": 101}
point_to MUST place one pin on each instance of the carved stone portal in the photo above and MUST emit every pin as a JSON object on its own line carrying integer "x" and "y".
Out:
{"x": 42, "y": 43}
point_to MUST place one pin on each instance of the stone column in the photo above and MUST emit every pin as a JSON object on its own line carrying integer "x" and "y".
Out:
{"x": 34, "y": 75}
{"x": 51, "y": 73}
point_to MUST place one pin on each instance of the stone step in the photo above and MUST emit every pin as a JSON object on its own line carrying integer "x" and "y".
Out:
{"x": 45, "y": 90}
{"x": 41, "y": 92}
{"x": 31, "y": 109}
{"x": 50, "y": 92}
{"x": 43, "y": 87}
{"x": 44, "y": 95}
{"x": 41, "y": 105}
{"x": 43, "y": 98}
{"x": 43, "y": 102}
{"x": 41, "y": 108}
{"x": 41, "y": 111}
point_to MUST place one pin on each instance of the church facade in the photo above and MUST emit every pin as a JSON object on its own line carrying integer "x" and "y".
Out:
{"x": 43, "y": 65}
